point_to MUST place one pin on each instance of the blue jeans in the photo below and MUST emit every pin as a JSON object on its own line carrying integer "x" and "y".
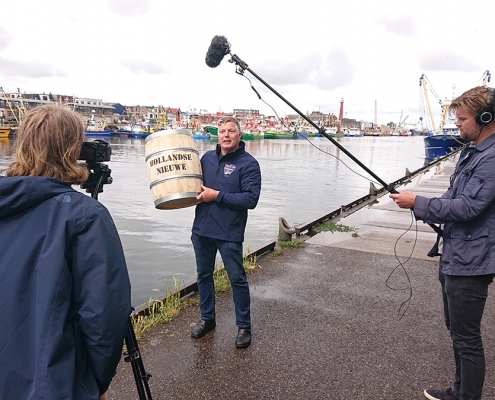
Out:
{"x": 205, "y": 250}
{"x": 464, "y": 302}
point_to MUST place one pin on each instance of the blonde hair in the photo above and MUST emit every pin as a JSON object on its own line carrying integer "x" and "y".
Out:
{"x": 472, "y": 100}
{"x": 48, "y": 143}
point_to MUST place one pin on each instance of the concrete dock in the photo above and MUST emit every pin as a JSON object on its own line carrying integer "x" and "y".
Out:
{"x": 342, "y": 317}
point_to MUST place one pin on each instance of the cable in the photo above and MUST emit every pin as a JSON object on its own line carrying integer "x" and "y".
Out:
{"x": 312, "y": 144}
{"x": 405, "y": 304}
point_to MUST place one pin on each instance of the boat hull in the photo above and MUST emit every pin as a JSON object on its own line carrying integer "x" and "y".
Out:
{"x": 4, "y": 131}
{"x": 440, "y": 145}
{"x": 201, "y": 136}
{"x": 106, "y": 132}
{"x": 212, "y": 130}
{"x": 300, "y": 135}
{"x": 278, "y": 135}
{"x": 252, "y": 136}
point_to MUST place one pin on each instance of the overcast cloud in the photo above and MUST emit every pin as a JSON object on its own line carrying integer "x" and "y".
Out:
{"x": 15, "y": 69}
{"x": 315, "y": 53}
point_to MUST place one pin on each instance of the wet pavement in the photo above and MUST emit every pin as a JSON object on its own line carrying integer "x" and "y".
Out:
{"x": 331, "y": 320}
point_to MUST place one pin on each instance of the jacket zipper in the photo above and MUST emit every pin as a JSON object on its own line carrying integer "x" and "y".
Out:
{"x": 209, "y": 205}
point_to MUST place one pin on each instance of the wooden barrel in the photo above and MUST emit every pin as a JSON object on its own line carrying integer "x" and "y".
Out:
{"x": 174, "y": 169}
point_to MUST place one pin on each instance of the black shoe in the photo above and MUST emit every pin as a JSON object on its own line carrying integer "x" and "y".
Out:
{"x": 202, "y": 328}
{"x": 444, "y": 394}
{"x": 243, "y": 338}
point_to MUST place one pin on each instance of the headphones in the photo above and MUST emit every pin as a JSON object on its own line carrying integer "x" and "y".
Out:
{"x": 486, "y": 114}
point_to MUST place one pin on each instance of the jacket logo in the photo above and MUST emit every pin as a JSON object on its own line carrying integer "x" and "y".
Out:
{"x": 228, "y": 169}
{"x": 63, "y": 198}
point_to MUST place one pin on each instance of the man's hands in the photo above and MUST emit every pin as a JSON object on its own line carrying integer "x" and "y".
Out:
{"x": 403, "y": 199}
{"x": 207, "y": 194}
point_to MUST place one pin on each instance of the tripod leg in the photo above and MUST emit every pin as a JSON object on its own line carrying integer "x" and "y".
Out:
{"x": 133, "y": 356}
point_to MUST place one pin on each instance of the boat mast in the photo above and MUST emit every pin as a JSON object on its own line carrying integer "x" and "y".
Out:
{"x": 376, "y": 117}
{"x": 9, "y": 103}
{"x": 486, "y": 78}
{"x": 422, "y": 82}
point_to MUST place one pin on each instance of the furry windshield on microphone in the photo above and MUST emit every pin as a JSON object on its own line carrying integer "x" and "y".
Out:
{"x": 219, "y": 47}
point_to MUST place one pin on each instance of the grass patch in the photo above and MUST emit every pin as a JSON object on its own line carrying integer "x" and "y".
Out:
{"x": 249, "y": 262}
{"x": 276, "y": 253}
{"x": 285, "y": 244}
{"x": 331, "y": 226}
{"x": 160, "y": 311}
{"x": 221, "y": 278}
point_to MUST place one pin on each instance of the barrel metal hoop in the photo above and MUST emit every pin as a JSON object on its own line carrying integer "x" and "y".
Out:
{"x": 167, "y": 201}
{"x": 157, "y": 182}
{"x": 171, "y": 149}
{"x": 168, "y": 132}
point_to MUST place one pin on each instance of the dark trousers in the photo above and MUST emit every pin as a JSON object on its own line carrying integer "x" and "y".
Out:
{"x": 205, "y": 250}
{"x": 464, "y": 299}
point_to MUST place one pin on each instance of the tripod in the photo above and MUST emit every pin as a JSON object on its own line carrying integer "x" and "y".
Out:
{"x": 99, "y": 176}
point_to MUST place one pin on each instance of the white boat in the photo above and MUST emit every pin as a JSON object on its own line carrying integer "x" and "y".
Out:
{"x": 353, "y": 132}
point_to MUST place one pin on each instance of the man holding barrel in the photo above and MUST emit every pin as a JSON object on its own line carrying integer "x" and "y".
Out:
{"x": 231, "y": 186}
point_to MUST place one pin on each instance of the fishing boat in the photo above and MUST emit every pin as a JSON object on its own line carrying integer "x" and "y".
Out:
{"x": 300, "y": 134}
{"x": 5, "y": 131}
{"x": 212, "y": 129}
{"x": 333, "y": 132}
{"x": 253, "y": 135}
{"x": 102, "y": 132}
{"x": 134, "y": 131}
{"x": 438, "y": 142}
{"x": 201, "y": 135}
{"x": 97, "y": 132}
{"x": 96, "y": 127}
{"x": 353, "y": 132}
{"x": 278, "y": 134}
{"x": 314, "y": 134}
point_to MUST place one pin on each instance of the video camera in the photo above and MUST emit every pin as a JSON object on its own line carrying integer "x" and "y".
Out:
{"x": 94, "y": 153}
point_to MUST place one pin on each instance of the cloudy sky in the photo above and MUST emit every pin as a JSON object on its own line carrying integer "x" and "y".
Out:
{"x": 313, "y": 52}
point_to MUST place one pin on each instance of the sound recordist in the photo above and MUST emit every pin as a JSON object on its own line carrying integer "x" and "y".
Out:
{"x": 467, "y": 246}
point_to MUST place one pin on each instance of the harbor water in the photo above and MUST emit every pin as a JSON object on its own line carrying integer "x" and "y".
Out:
{"x": 301, "y": 181}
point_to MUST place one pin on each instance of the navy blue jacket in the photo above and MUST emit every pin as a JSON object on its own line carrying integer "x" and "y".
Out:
{"x": 238, "y": 178}
{"x": 64, "y": 292}
{"x": 468, "y": 211}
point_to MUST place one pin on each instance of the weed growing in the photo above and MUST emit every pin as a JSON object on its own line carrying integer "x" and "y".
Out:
{"x": 284, "y": 244}
{"x": 331, "y": 226}
{"x": 160, "y": 312}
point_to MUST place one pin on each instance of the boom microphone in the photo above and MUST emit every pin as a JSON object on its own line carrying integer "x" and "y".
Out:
{"x": 218, "y": 49}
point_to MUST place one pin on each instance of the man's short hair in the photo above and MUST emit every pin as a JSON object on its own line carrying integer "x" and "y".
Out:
{"x": 230, "y": 119}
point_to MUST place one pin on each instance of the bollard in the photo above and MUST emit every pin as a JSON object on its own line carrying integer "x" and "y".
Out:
{"x": 284, "y": 231}
{"x": 373, "y": 190}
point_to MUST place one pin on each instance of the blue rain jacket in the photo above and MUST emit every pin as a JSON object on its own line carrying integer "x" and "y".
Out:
{"x": 64, "y": 292}
{"x": 468, "y": 211}
{"x": 238, "y": 178}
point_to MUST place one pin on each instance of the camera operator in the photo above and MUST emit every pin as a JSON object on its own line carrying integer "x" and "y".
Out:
{"x": 64, "y": 286}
